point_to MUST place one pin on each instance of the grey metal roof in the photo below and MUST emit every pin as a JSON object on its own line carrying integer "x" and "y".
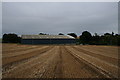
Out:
{"x": 47, "y": 37}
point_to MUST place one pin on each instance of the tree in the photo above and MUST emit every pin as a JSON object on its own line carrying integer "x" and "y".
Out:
{"x": 11, "y": 38}
{"x": 108, "y": 38}
{"x": 86, "y": 37}
{"x": 95, "y": 39}
{"x": 118, "y": 40}
{"x": 60, "y": 34}
{"x": 107, "y": 34}
{"x": 105, "y": 39}
{"x": 112, "y": 33}
{"x": 96, "y": 34}
{"x": 43, "y": 34}
{"x": 73, "y": 35}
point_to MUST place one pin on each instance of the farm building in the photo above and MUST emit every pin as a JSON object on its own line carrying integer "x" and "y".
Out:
{"x": 47, "y": 39}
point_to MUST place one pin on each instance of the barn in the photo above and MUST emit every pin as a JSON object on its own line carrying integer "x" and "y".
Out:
{"x": 47, "y": 39}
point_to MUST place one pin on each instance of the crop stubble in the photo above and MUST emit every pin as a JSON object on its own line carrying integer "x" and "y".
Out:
{"x": 62, "y": 61}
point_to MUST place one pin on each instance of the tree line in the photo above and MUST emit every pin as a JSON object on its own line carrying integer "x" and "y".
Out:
{"x": 105, "y": 39}
{"x": 85, "y": 38}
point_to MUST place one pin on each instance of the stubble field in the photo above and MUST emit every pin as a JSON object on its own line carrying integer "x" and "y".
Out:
{"x": 59, "y": 61}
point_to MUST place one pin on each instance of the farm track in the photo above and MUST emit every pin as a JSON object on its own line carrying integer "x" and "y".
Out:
{"x": 77, "y": 68}
{"x": 57, "y": 62}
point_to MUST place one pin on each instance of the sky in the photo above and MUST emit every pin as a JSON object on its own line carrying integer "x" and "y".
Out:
{"x": 59, "y": 17}
{"x": 0, "y": 19}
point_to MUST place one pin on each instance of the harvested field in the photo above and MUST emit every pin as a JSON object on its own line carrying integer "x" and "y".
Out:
{"x": 59, "y": 61}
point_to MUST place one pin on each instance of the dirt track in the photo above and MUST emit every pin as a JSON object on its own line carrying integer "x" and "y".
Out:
{"x": 63, "y": 61}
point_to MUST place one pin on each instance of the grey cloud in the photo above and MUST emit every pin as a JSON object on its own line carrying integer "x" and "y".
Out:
{"x": 32, "y": 18}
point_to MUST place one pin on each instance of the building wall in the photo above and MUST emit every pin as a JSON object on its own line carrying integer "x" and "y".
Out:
{"x": 48, "y": 41}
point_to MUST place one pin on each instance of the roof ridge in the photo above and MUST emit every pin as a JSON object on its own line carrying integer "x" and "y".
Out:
{"x": 47, "y": 37}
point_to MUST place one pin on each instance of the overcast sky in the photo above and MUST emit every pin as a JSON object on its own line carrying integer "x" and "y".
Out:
{"x": 53, "y": 18}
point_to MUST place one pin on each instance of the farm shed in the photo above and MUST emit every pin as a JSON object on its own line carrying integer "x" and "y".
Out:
{"x": 47, "y": 39}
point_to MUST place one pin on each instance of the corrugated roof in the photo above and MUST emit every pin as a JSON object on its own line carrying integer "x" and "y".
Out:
{"x": 47, "y": 37}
